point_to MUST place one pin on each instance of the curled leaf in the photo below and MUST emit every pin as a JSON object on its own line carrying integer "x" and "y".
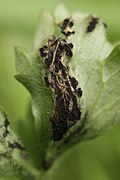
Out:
{"x": 84, "y": 54}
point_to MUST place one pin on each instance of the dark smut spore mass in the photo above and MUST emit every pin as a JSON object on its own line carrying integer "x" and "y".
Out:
{"x": 6, "y": 124}
{"x": 16, "y": 145}
{"x": 66, "y": 27}
{"x": 105, "y": 25}
{"x": 92, "y": 24}
{"x": 64, "y": 87}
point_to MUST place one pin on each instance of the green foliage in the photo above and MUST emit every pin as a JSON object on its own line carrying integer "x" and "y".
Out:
{"x": 31, "y": 74}
{"x": 14, "y": 163}
{"x": 33, "y": 79}
{"x": 100, "y": 101}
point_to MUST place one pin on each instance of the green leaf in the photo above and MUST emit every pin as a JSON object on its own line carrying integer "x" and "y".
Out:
{"x": 90, "y": 68}
{"x": 26, "y": 127}
{"x": 31, "y": 74}
{"x": 60, "y": 13}
{"x": 106, "y": 111}
{"x": 32, "y": 77}
{"x": 95, "y": 65}
{"x": 44, "y": 30}
{"x": 89, "y": 50}
{"x": 13, "y": 157}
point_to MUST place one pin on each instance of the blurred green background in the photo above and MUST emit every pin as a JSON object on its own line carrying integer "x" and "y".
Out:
{"x": 98, "y": 159}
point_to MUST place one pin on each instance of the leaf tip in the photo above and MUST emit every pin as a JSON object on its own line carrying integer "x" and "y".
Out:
{"x": 60, "y": 13}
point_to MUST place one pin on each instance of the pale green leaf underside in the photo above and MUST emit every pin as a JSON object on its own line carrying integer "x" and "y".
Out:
{"x": 44, "y": 30}
{"x": 89, "y": 50}
{"x": 98, "y": 77}
{"x": 94, "y": 64}
{"x": 100, "y": 84}
{"x": 106, "y": 112}
{"x": 61, "y": 13}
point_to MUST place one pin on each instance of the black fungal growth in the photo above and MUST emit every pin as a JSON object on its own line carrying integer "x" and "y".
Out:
{"x": 6, "y": 124}
{"x": 105, "y": 25}
{"x": 16, "y": 145}
{"x": 66, "y": 26}
{"x": 92, "y": 24}
{"x": 55, "y": 55}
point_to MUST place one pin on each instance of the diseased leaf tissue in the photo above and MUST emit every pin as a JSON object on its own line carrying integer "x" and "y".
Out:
{"x": 7, "y": 136}
{"x": 56, "y": 54}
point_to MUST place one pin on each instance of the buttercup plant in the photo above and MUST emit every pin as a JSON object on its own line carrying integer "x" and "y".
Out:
{"x": 72, "y": 74}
